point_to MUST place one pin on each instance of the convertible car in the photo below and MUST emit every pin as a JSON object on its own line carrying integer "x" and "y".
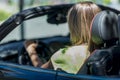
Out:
{"x": 103, "y": 64}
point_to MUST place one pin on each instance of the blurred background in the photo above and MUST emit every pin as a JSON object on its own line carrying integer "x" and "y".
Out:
{"x": 10, "y": 7}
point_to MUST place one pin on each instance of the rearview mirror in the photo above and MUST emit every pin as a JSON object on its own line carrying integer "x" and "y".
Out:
{"x": 56, "y": 18}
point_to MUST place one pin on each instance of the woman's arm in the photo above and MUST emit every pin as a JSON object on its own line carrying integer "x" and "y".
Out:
{"x": 36, "y": 61}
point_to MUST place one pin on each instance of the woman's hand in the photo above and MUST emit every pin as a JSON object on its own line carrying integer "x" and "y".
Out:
{"x": 30, "y": 47}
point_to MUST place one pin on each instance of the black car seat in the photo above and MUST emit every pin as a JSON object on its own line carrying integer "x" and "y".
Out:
{"x": 104, "y": 32}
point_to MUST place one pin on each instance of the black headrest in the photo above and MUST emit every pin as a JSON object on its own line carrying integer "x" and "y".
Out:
{"x": 104, "y": 27}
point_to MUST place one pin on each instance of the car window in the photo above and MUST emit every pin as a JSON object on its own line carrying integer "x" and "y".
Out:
{"x": 38, "y": 28}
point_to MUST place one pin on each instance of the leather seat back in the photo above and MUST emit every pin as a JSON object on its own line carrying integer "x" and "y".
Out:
{"x": 104, "y": 61}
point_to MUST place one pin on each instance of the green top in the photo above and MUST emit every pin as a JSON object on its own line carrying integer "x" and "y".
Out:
{"x": 70, "y": 59}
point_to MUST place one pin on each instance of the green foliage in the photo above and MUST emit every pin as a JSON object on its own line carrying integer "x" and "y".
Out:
{"x": 4, "y": 15}
{"x": 106, "y": 1}
{"x": 10, "y": 2}
{"x": 97, "y": 1}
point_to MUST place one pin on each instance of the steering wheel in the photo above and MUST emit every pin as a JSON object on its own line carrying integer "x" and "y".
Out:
{"x": 42, "y": 49}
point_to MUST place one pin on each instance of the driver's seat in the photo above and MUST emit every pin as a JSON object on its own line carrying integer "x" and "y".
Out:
{"x": 104, "y": 32}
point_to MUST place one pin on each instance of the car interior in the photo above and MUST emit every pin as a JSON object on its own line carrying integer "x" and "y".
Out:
{"x": 104, "y": 60}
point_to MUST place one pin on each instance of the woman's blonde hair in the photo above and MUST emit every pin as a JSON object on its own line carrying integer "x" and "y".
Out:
{"x": 79, "y": 20}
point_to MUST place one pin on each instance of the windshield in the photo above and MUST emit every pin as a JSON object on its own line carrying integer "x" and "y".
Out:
{"x": 38, "y": 28}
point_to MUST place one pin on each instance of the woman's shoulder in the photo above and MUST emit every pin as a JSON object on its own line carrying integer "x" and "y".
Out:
{"x": 72, "y": 49}
{"x": 81, "y": 50}
{"x": 78, "y": 47}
